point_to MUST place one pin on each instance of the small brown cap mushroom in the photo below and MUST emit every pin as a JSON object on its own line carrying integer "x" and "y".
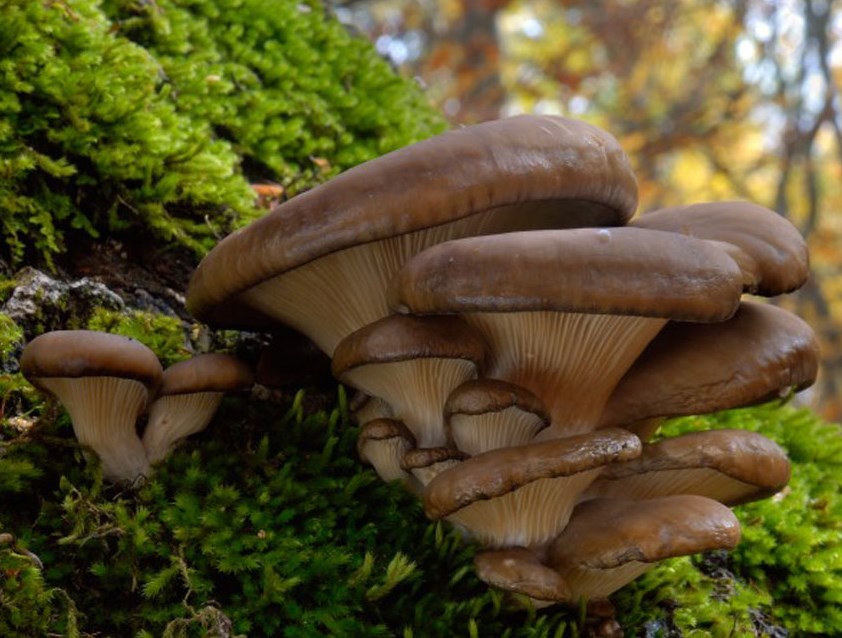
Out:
{"x": 404, "y": 338}
{"x": 104, "y": 381}
{"x": 761, "y": 352}
{"x": 504, "y": 470}
{"x": 426, "y": 463}
{"x": 774, "y": 253}
{"x": 87, "y": 353}
{"x": 485, "y": 414}
{"x": 189, "y": 396}
{"x": 412, "y": 363}
{"x": 383, "y": 443}
{"x": 523, "y": 496}
{"x": 730, "y": 466}
{"x": 518, "y": 570}
{"x": 610, "y": 542}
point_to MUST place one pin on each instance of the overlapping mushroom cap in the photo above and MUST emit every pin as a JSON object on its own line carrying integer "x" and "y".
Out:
{"x": 190, "y": 394}
{"x": 321, "y": 261}
{"x": 534, "y": 339}
{"x": 567, "y": 312}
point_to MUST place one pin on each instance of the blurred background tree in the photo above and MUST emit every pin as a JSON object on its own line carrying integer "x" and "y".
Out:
{"x": 711, "y": 99}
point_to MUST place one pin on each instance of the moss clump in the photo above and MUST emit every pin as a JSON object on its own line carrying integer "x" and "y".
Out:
{"x": 145, "y": 115}
{"x": 163, "y": 334}
{"x": 787, "y": 570}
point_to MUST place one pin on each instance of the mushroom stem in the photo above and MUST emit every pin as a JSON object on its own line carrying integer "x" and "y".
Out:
{"x": 104, "y": 412}
{"x": 571, "y": 361}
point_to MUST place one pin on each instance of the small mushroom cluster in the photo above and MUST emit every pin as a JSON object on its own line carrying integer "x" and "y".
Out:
{"x": 107, "y": 382}
{"x": 518, "y": 338}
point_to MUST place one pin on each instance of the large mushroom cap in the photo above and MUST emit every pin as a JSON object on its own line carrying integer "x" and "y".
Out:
{"x": 622, "y": 271}
{"x": 87, "y": 353}
{"x": 761, "y": 352}
{"x": 730, "y": 466}
{"x": 550, "y": 161}
{"x": 774, "y": 255}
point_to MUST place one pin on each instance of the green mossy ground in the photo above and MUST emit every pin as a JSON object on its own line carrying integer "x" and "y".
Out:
{"x": 125, "y": 117}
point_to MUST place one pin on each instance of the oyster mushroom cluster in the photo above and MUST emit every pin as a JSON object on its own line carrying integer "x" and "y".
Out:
{"x": 517, "y": 338}
{"x": 107, "y": 382}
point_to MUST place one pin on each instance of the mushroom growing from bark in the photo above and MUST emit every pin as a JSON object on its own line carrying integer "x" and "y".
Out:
{"x": 104, "y": 381}
{"x": 412, "y": 363}
{"x": 566, "y": 313}
{"x": 321, "y": 262}
{"x": 189, "y": 396}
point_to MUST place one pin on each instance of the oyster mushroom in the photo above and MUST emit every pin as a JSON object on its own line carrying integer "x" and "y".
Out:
{"x": 412, "y": 363}
{"x": 189, "y": 396}
{"x": 519, "y": 570}
{"x": 382, "y": 443}
{"x": 771, "y": 252}
{"x": 486, "y": 414}
{"x": 730, "y": 466}
{"x": 321, "y": 261}
{"x": 427, "y": 463}
{"x": 610, "y": 542}
{"x": 522, "y": 496}
{"x": 758, "y": 354}
{"x": 104, "y": 381}
{"x": 566, "y": 313}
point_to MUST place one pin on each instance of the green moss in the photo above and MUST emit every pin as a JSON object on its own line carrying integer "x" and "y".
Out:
{"x": 11, "y": 336}
{"x": 119, "y": 115}
{"x": 163, "y": 334}
{"x": 788, "y": 566}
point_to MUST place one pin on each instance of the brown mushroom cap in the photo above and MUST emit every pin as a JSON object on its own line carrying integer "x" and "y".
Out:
{"x": 412, "y": 363}
{"x": 522, "y": 496}
{"x": 730, "y": 466}
{"x": 211, "y": 372}
{"x": 567, "y": 312}
{"x": 759, "y": 353}
{"x": 553, "y": 162}
{"x": 498, "y": 472}
{"x": 485, "y": 414}
{"x": 104, "y": 382}
{"x": 518, "y": 570}
{"x": 189, "y": 396}
{"x": 622, "y": 271}
{"x": 777, "y": 254}
{"x": 426, "y": 463}
{"x": 609, "y": 542}
{"x": 383, "y": 443}
{"x": 87, "y": 353}
{"x": 405, "y": 338}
